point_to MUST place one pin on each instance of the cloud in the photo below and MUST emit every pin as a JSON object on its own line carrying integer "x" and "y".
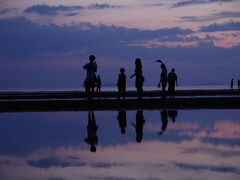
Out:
{"x": 211, "y": 17}
{"x": 50, "y": 10}
{"x": 195, "y": 2}
{"x": 55, "y": 10}
{"x": 72, "y": 14}
{"x": 229, "y": 26}
{"x": 102, "y": 6}
{"x": 5, "y": 11}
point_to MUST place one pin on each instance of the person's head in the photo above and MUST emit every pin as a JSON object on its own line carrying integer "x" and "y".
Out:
{"x": 93, "y": 148}
{"x": 138, "y": 61}
{"x": 122, "y": 70}
{"x": 92, "y": 58}
{"x": 173, "y": 70}
{"x": 98, "y": 77}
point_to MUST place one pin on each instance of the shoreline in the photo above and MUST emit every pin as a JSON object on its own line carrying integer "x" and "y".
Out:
{"x": 76, "y": 101}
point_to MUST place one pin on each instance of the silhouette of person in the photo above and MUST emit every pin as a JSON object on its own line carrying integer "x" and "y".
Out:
{"x": 122, "y": 120}
{"x": 139, "y": 77}
{"x": 164, "y": 119}
{"x": 85, "y": 86}
{"x": 121, "y": 84}
{"x": 163, "y": 78}
{"x": 92, "y": 138}
{"x": 238, "y": 84}
{"x": 173, "y": 115}
{"x": 139, "y": 126}
{"x": 231, "y": 84}
{"x": 98, "y": 84}
{"x": 172, "y": 81}
{"x": 91, "y": 77}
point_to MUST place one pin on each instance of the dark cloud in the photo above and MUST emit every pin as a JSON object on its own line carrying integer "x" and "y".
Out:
{"x": 194, "y": 2}
{"x": 72, "y": 14}
{"x": 5, "y": 11}
{"x": 50, "y": 10}
{"x": 54, "y": 10}
{"x": 211, "y": 17}
{"x": 221, "y": 27}
{"x": 102, "y": 6}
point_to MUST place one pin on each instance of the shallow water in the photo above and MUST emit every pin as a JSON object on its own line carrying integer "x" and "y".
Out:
{"x": 158, "y": 144}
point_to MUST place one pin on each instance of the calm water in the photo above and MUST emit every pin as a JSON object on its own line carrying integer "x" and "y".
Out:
{"x": 141, "y": 145}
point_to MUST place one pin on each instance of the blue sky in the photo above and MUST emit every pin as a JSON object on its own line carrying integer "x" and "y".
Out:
{"x": 44, "y": 44}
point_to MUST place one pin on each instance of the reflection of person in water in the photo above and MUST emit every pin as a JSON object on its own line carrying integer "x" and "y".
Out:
{"x": 139, "y": 126}
{"x": 164, "y": 119}
{"x": 91, "y": 138}
{"x": 173, "y": 115}
{"x": 122, "y": 121}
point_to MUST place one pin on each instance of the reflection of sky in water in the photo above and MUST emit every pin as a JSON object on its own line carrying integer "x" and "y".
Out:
{"x": 50, "y": 145}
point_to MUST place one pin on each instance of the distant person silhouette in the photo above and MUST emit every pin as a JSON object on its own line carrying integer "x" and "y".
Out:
{"x": 98, "y": 84}
{"x": 172, "y": 81}
{"x": 163, "y": 78}
{"x": 122, "y": 120}
{"x": 173, "y": 115}
{"x": 139, "y": 77}
{"x": 91, "y": 68}
{"x": 139, "y": 126}
{"x": 238, "y": 84}
{"x": 121, "y": 84}
{"x": 164, "y": 119}
{"x": 92, "y": 138}
{"x": 232, "y": 83}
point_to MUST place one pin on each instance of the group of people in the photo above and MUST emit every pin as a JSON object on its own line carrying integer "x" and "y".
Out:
{"x": 92, "y": 127}
{"x": 232, "y": 83}
{"x": 92, "y": 81}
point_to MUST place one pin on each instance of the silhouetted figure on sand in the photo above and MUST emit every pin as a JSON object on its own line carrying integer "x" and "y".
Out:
{"x": 238, "y": 84}
{"x": 139, "y": 126}
{"x": 121, "y": 84}
{"x": 92, "y": 138}
{"x": 173, "y": 115}
{"x": 172, "y": 81}
{"x": 91, "y": 68}
{"x": 98, "y": 84}
{"x": 164, "y": 119}
{"x": 122, "y": 120}
{"x": 139, "y": 77}
{"x": 163, "y": 78}
{"x": 232, "y": 83}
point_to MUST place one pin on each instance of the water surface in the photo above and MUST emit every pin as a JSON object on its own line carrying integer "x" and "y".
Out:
{"x": 141, "y": 145}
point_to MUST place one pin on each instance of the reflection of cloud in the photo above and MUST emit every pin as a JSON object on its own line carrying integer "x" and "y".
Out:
{"x": 198, "y": 167}
{"x": 196, "y": 2}
{"x": 222, "y": 129}
{"x": 148, "y": 160}
{"x": 5, "y": 11}
{"x": 102, "y": 6}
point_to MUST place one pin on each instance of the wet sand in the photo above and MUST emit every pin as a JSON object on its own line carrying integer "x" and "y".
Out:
{"x": 76, "y": 101}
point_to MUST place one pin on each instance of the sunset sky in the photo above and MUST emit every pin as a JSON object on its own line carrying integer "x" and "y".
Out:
{"x": 45, "y": 43}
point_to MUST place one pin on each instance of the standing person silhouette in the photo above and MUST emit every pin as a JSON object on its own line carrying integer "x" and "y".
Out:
{"x": 98, "y": 84}
{"x": 232, "y": 83}
{"x": 121, "y": 84}
{"x": 238, "y": 84}
{"x": 163, "y": 78}
{"x": 172, "y": 81}
{"x": 92, "y": 138}
{"x": 91, "y": 68}
{"x": 139, "y": 77}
